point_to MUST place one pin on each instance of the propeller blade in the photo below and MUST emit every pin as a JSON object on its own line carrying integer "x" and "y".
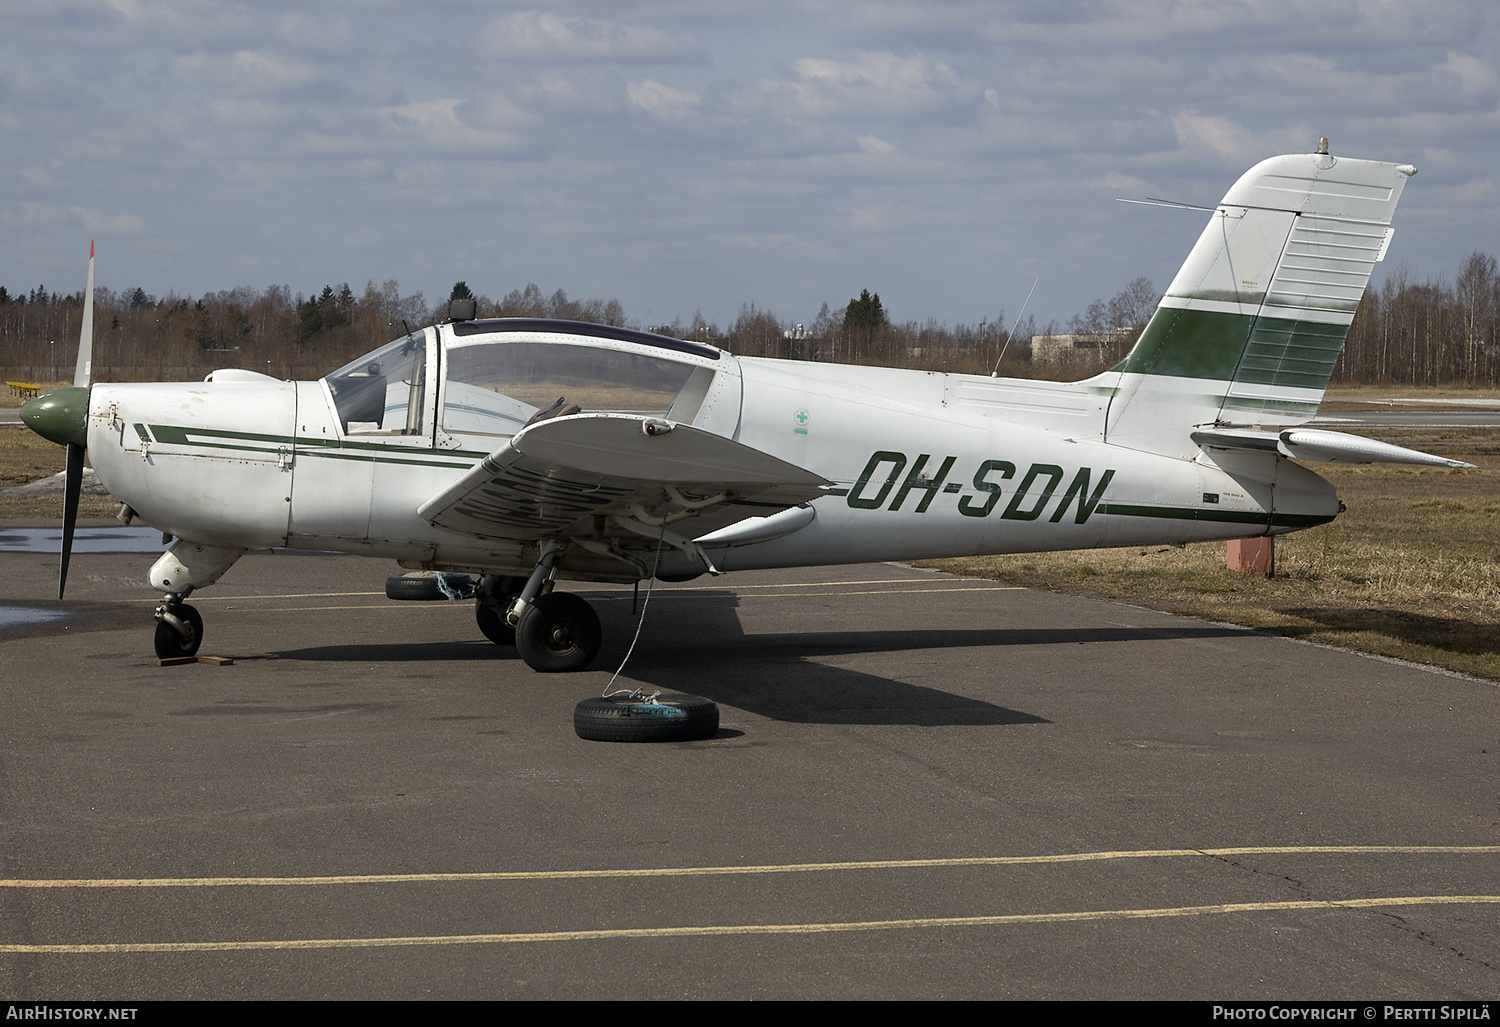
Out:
{"x": 72, "y": 487}
{"x": 83, "y": 371}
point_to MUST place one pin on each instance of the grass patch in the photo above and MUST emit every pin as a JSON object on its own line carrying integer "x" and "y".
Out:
{"x": 26, "y": 457}
{"x": 1388, "y": 397}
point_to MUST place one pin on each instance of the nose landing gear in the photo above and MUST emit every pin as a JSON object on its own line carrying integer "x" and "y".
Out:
{"x": 184, "y": 567}
{"x": 179, "y": 629}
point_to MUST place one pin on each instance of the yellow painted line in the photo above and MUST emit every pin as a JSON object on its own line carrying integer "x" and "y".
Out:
{"x": 897, "y": 591}
{"x": 958, "y": 584}
{"x": 402, "y": 607}
{"x": 829, "y": 584}
{"x": 769, "y": 868}
{"x": 683, "y": 594}
{"x": 291, "y": 595}
{"x": 742, "y": 929}
{"x": 704, "y": 597}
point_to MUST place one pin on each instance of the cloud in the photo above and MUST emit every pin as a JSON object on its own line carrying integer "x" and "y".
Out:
{"x": 256, "y": 72}
{"x": 56, "y": 215}
{"x": 539, "y": 36}
{"x": 1475, "y": 75}
{"x": 948, "y": 146}
{"x": 880, "y": 84}
{"x": 1113, "y": 182}
{"x": 665, "y": 102}
{"x": 436, "y": 123}
{"x": 1236, "y": 145}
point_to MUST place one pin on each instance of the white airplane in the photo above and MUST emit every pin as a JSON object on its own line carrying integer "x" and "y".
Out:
{"x": 527, "y": 451}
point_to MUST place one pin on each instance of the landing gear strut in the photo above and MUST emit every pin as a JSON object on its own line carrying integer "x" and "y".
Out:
{"x": 555, "y": 632}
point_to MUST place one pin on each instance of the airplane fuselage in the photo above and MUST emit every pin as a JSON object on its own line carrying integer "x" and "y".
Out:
{"x": 920, "y": 465}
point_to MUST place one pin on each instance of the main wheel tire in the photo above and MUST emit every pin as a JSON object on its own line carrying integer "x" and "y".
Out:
{"x": 492, "y": 623}
{"x": 559, "y": 632}
{"x": 170, "y": 644}
{"x": 674, "y": 717}
{"x": 424, "y": 587}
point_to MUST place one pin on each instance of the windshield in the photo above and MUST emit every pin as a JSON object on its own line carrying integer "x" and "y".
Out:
{"x": 381, "y": 392}
{"x": 498, "y": 388}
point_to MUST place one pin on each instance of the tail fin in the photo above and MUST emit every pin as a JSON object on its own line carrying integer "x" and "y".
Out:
{"x": 1250, "y": 329}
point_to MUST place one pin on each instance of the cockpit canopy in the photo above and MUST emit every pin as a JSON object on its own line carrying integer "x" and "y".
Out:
{"x": 499, "y": 376}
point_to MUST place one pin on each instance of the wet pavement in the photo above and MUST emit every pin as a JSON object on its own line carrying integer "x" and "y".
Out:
{"x": 86, "y": 539}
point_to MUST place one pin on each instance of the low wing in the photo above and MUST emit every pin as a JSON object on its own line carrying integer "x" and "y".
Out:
{"x": 603, "y": 475}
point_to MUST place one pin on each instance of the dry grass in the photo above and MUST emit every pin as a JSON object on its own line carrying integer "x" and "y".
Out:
{"x": 26, "y": 457}
{"x": 1382, "y": 397}
{"x": 1411, "y": 570}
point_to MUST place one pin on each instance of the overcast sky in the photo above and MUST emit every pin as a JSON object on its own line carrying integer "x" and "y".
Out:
{"x": 680, "y": 155}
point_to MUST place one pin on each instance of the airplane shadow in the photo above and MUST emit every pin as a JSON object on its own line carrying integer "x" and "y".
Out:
{"x": 697, "y": 644}
{"x": 704, "y": 650}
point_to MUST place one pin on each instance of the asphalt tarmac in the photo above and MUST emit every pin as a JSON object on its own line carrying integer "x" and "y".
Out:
{"x": 923, "y": 787}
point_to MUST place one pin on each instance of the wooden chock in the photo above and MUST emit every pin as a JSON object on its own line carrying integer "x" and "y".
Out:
{"x": 1252, "y": 555}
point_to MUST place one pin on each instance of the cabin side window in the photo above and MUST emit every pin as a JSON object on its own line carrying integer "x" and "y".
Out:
{"x": 382, "y": 392}
{"x": 498, "y": 388}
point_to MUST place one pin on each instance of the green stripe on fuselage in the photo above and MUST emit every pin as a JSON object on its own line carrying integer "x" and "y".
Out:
{"x": 1272, "y": 520}
{"x": 306, "y": 446}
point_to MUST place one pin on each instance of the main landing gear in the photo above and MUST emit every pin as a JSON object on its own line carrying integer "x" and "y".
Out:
{"x": 558, "y": 632}
{"x": 554, "y": 632}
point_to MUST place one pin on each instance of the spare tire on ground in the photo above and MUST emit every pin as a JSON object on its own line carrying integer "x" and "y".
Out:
{"x": 422, "y": 586}
{"x": 669, "y": 717}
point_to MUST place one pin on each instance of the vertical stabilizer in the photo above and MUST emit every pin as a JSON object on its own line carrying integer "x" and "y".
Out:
{"x": 1250, "y": 329}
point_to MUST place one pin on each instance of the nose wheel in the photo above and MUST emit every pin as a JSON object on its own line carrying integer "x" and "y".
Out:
{"x": 179, "y": 631}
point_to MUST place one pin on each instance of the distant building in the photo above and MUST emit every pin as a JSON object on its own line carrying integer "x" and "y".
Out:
{"x": 1052, "y": 349}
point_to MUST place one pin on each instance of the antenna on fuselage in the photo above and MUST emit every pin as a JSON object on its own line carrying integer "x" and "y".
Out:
{"x": 996, "y": 371}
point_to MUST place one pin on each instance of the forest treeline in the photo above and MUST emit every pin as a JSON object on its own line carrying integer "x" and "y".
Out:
{"x": 1406, "y": 332}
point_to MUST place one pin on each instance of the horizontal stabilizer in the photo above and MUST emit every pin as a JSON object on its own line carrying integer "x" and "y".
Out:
{"x": 1320, "y": 446}
{"x": 557, "y": 477}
